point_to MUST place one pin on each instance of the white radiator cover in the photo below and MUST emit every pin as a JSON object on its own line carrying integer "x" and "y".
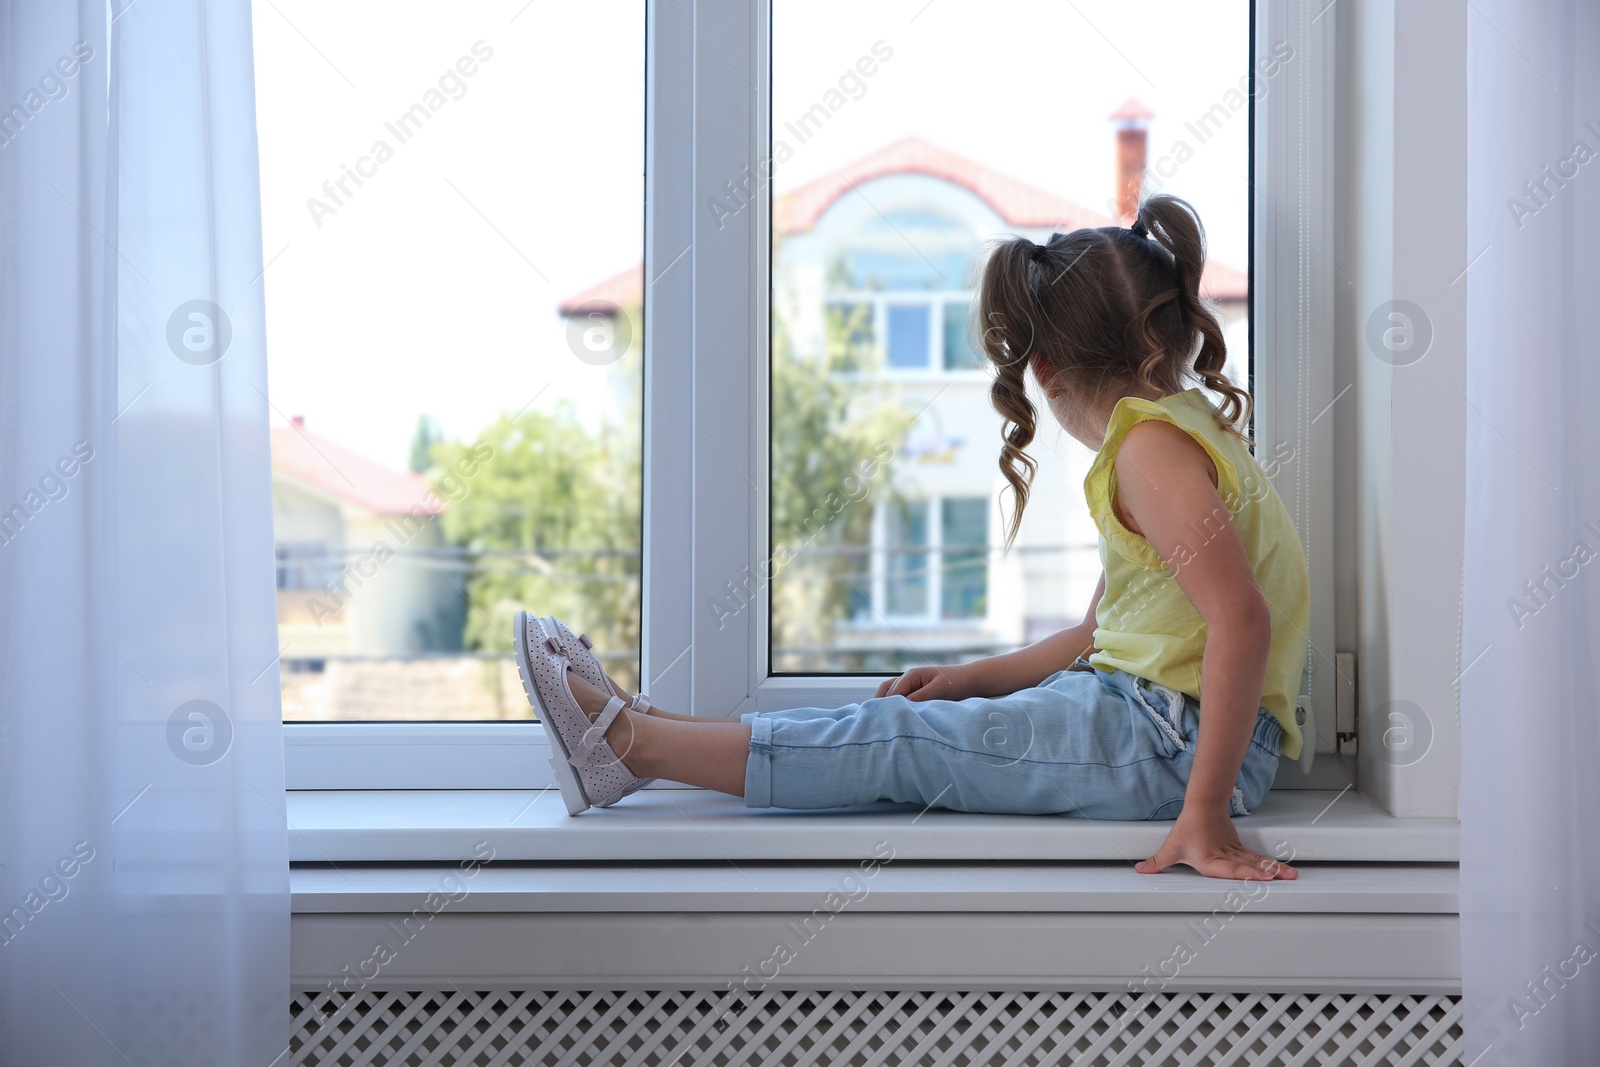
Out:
{"x": 834, "y": 1028}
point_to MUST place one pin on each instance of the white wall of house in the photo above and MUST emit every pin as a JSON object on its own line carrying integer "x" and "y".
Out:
{"x": 388, "y": 597}
{"x": 399, "y": 608}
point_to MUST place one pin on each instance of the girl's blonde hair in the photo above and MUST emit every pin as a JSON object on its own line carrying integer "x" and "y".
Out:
{"x": 1096, "y": 310}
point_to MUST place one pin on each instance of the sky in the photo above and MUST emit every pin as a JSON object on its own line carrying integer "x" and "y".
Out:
{"x": 431, "y": 286}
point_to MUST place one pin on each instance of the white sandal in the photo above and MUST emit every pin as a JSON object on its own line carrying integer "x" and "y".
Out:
{"x": 584, "y": 663}
{"x": 586, "y": 768}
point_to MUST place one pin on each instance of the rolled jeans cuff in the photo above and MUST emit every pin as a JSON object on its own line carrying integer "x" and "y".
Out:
{"x": 758, "y": 765}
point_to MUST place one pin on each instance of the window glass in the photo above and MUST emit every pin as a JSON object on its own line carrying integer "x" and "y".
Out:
{"x": 904, "y": 138}
{"x": 964, "y": 533}
{"x": 908, "y": 336}
{"x": 905, "y": 564}
{"x": 452, "y": 202}
{"x": 958, "y": 351}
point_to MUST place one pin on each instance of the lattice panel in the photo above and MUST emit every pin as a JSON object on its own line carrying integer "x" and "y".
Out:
{"x": 677, "y": 1028}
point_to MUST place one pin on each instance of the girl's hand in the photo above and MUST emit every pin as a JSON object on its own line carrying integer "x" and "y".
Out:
{"x": 929, "y": 683}
{"x": 1210, "y": 844}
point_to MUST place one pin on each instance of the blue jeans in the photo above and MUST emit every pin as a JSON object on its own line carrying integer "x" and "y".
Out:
{"x": 1096, "y": 744}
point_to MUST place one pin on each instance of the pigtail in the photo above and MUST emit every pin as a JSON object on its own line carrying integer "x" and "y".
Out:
{"x": 1173, "y": 224}
{"x": 1009, "y": 324}
{"x": 1096, "y": 310}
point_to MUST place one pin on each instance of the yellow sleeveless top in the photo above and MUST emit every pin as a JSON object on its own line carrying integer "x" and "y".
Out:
{"x": 1145, "y": 624}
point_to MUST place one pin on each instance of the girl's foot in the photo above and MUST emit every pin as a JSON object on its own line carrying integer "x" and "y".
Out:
{"x": 620, "y": 736}
{"x": 612, "y": 743}
{"x": 591, "y": 699}
{"x": 584, "y": 764}
{"x": 584, "y": 666}
{"x": 710, "y": 753}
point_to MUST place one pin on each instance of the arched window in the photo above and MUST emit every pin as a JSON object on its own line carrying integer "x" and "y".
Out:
{"x": 905, "y": 277}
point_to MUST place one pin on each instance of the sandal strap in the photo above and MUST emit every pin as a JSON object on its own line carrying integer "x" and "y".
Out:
{"x": 594, "y": 738}
{"x": 641, "y": 704}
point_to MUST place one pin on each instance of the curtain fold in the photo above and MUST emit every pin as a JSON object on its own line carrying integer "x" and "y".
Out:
{"x": 144, "y": 892}
{"x": 1530, "y": 708}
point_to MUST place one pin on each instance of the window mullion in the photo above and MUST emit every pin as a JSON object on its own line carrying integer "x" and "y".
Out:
{"x": 1293, "y": 308}
{"x": 705, "y": 359}
{"x": 667, "y": 591}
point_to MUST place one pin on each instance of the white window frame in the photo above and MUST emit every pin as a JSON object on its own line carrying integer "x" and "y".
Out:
{"x": 705, "y": 415}
{"x": 932, "y": 618}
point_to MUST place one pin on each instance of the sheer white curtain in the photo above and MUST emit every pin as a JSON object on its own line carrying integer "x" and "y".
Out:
{"x": 1530, "y": 708}
{"x": 144, "y": 893}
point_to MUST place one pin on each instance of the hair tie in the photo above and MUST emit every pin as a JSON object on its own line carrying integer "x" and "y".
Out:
{"x": 1138, "y": 228}
{"x": 1039, "y": 254}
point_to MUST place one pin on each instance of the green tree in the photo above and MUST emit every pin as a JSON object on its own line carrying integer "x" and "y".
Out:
{"x": 550, "y": 524}
{"x": 422, "y": 443}
{"x": 835, "y": 434}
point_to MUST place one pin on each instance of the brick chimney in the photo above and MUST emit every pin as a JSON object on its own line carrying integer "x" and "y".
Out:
{"x": 1132, "y": 121}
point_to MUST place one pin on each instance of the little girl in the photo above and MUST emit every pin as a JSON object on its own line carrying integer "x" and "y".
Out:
{"x": 1203, "y": 591}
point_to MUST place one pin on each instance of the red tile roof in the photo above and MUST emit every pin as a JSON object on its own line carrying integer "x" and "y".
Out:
{"x": 1016, "y": 202}
{"x": 353, "y": 479}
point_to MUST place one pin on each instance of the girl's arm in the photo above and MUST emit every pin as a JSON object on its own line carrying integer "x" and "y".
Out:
{"x": 1027, "y": 667}
{"x": 999, "y": 675}
{"x": 1166, "y": 492}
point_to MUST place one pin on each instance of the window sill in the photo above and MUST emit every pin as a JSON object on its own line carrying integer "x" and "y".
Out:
{"x": 693, "y": 825}
{"x": 687, "y": 889}
{"x": 896, "y": 887}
